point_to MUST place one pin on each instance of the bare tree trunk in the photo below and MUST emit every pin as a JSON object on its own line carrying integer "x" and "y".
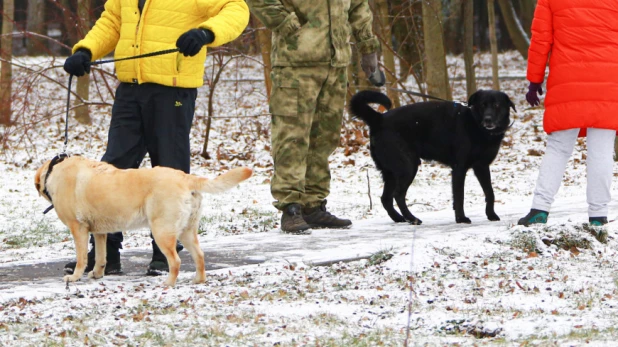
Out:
{"x": 35, "y": 23}
{"x": 527, "y": 13}
{"x": 516, "y": 32}
{"x": 82, "y": 113}
{"x": 468, "y": 17}
{"x": 6, "y": 52}
{"x": 436, "y": 74}
{"x": 408, "y": 36}
{"x": 264, "y": 37}
{"x": 493, "y": 42}
{"x": 68, "y": 20}
{"x": 452, "y": 27}
{"x": 387, "y": 52}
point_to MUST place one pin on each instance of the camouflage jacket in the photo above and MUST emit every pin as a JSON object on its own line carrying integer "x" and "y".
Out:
{"x": 316, "y": 32}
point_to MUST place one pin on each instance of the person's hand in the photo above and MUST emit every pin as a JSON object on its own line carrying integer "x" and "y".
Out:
{"x": 532, "y": 96}
{"x": 191, "y": 42}
{"x": 77, "y": 64}
{"x": 369, "y": 63}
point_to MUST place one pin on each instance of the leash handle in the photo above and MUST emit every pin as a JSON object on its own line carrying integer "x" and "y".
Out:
{"x": 146, "y": 55}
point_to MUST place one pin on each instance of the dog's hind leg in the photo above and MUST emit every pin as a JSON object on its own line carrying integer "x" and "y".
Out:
{"x": 165, "y": 237}
{"x": 80, "y": 236}
{"x": 403, "y": 183}
{"x": 390, "y": 184}
{"x": 100, "y": 256}
{"x": 482, "y": 173}
{"x": 189, "y": 239}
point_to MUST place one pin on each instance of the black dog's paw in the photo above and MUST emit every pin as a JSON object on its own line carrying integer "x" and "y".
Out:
{"x": 397, "y": 218}
{"x": 463, "y": 219}
{"x": 415, "y": 221}
{"x": 493, "y": 217}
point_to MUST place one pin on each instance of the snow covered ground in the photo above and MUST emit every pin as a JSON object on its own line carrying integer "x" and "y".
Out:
{"x": 436, "y": 284}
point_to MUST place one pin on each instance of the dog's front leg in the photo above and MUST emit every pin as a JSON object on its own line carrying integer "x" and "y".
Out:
{"x": 458, "y": 181}
{"x": 80, "y": 236}
{"x": 100, "y": 256}
{"x": 483, "y": 174}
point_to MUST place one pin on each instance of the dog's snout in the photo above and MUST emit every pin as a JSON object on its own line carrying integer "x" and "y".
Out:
{"x": 488, "y": 121}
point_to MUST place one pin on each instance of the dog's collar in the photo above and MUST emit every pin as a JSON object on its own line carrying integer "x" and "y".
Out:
{"x": 57, "y": 159}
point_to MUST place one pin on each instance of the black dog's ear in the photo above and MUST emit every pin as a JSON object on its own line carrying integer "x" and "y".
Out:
{"x": 473, "y": 98}
{"x": 511, "y": 104}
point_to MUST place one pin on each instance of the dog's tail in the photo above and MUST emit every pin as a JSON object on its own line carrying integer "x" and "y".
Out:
{"x": 359, "y": 106}
{"x": 222, "y": 183}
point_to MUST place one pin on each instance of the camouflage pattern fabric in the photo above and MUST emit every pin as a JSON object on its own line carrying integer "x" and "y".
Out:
{"x": 316, "y": 32}
{"x": 307, "y": 109}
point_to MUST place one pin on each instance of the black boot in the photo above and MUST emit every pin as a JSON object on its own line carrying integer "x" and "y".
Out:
{"x": 159, "y": 264}
{"x": 112, "y": 267}
{"x": 318, "y": 217}
{"x": 292, "y": 221}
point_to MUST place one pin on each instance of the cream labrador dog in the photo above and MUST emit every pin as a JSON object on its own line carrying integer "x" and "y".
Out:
{"x": 95, "y": 197}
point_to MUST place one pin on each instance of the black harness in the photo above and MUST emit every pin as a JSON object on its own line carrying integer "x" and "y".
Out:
{"x": 57, "y": 159}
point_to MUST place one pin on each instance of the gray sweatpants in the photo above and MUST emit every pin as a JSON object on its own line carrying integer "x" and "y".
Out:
{"x": 599, "y": 166}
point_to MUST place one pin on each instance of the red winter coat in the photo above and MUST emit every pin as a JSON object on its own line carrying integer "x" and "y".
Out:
{"x": 582, "y": 86}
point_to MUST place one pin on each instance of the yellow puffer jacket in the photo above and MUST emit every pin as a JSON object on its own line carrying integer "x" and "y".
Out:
{"x": 161, "y": 23}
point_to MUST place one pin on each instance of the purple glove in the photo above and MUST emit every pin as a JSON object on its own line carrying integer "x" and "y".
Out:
{"x": 531, "y": 95}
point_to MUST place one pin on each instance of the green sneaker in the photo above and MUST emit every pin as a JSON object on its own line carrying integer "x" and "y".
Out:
{"x": 597, "y": 228}
{"x": 534, "y": 217}
{"x": 597, "y": 221}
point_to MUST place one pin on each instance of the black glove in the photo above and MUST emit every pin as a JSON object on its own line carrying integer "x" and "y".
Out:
{"x": 191, "y": 42}
{"x": 77, "y": 64}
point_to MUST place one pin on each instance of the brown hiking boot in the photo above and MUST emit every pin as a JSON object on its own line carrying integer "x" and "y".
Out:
{"x": 292, "y": 221}
{"x": 318, "y": 217}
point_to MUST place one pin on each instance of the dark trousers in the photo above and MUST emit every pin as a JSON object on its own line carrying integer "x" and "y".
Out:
{"x": 154, "y": 119}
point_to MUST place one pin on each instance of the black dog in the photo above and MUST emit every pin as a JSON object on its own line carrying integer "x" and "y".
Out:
{"x": 459, "y": 136}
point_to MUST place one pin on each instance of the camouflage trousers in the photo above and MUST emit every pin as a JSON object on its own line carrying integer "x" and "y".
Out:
{"x": 307, "y": 109}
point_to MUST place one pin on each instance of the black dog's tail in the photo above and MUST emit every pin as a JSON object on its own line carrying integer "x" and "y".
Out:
{"x": 359, "y": 106}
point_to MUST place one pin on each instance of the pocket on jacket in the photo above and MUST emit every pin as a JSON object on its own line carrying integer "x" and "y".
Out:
{"x": 178, "y": 62}
{"x": 284, "y": 95}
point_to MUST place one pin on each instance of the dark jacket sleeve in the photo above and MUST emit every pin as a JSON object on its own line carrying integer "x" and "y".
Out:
{"x": 274, "y": 15}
